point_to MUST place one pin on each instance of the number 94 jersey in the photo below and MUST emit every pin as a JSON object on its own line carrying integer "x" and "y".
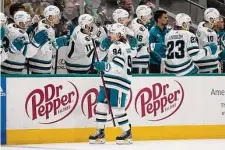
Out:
{"x": 118, "y": 72}
{"x": 182, "y": 50}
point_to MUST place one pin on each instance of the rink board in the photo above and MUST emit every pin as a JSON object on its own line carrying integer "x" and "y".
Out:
{"x": 58, "y": 109}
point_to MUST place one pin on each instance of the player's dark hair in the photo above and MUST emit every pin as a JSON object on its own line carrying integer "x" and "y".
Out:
{"x": 143, "y": 2}
{"x": 15, "y": 7}
{"x": 158, "y": 14}
{"x": 123, "y": 39}
{"x": 175, "y": 27}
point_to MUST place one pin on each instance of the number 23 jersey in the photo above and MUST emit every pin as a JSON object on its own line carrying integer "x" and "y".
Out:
{"x": 118, "y": 73}
{"x": 182, "y": 50}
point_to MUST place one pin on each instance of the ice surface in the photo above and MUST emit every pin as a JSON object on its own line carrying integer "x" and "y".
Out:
{"x": 147, "y": 145}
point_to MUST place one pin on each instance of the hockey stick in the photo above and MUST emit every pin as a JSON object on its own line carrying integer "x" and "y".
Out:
{"x": 56, "y": 60}
{"x": 103, "y": 82}
{"x": 28, "y": 66}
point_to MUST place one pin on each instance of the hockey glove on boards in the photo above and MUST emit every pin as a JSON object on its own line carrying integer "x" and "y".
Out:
{"x": 102, "y": 66}
{"x": 60, "y": 42}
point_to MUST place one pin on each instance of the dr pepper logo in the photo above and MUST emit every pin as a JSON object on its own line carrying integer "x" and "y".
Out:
{"x": 88, "y": 103}
{"x": 159, "y": 101}
{"x": 51, "y": 103}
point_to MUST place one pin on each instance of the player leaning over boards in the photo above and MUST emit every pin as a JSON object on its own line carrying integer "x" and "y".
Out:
{"x": 183, "y": 49}
{"x": 119, "y": 16}
{"x": 117, "y": 74}
{"x": 80, "y": 53}
{"x": 17, "y": 44}
{"x": 41, "y": 63}
{"x": 206, "y": 35}
{"x": 140, "y": 28}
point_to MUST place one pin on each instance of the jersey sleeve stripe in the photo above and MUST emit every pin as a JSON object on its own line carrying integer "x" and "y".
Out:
{"x": 118, "y": 64}
{"x": 178, "y": 66}
{"x": 117, "y": 57}
{"x": 14, "y": 63}
{"x": 193, "y": 54}
{"x": 179, "y": 70}
{"x": 192, "y": 47}
{"x": 119, "y": 61}
{"x": 206, "y": 61}
{"x": 40, "y": 61}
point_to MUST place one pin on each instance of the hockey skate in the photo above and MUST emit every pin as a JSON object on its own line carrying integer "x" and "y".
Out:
{"x": 125, "y": 138}
{"x": 98, "y": 137}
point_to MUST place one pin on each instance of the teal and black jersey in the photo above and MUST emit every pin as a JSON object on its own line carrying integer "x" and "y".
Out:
{"x": 221, "y": 39}
{"x": 157, "y": 37}
{"x": 150, "y": 24}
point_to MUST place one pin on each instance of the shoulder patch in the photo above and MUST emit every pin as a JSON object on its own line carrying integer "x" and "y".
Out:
{"x": 198, "y": 33}
{"x": 87, "y": 38}
{"x": 142, "y": 28}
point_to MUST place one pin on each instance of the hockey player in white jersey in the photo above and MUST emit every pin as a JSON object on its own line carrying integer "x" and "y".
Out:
{"x": 41, "y": 63}
{"x": 122, "y": 16}
{"x": 80, "y": 54}
{"x": 183, "y": 49}
{"x": 3, "y": 52}
{"x": 119, "y": 16}
{"x": 18, "y": 44}
{"x": 206, "y": 35}
{"x": 117, "y": 75}
{"x": 138, "y": 26}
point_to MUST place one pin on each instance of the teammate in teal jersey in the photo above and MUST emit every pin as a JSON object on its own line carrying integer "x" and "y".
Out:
{"x": 157, "y": 39}
{"x": 117, "y": 76}
{"x": 41, "y": 63}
